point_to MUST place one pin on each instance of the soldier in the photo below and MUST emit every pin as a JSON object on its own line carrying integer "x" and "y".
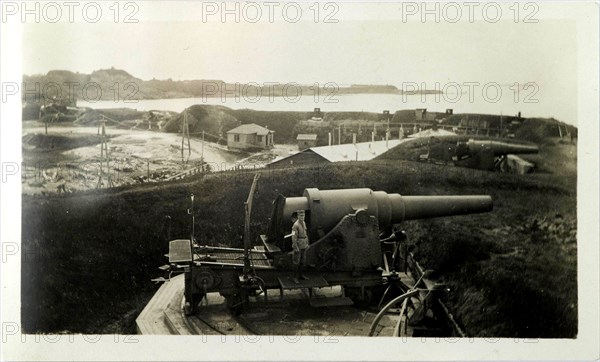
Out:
{"x": 299, "y": 245}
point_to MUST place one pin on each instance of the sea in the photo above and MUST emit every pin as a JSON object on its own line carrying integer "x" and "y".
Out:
{"x": 504, "y": 100}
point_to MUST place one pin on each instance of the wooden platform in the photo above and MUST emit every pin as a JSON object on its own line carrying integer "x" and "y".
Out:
{"x": 310, "y": 308}
{"x": 164, "y": 314}
{"x": 313, "y": 282}
{"x": 153, "y": 319}
{"x": 297, "y": 313}
{"x": 330, "y": 302}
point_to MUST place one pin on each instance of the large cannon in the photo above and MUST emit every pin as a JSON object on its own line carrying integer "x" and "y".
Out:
{"x": 490, "y": 155}
{"x": 497, "y": 148}
{"x": 344, "y": 225}
{"x": 351, "y": 243}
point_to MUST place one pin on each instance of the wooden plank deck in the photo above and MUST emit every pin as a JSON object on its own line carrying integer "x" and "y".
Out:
{"x": 313, "y": 282}
{"x": 163, "y": 315}
{"x": 292, "y": 315}
{"x": 152, "y": 319}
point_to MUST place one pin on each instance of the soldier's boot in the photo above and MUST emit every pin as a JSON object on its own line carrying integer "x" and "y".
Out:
{"x": 300, "y": 274}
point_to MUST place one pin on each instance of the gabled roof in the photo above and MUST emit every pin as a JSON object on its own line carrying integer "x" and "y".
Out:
{"x": 363, "y": 151}
{"x": 251, "y": 128}
{"x": 432, "y": 133}
{"x": 306, "y": 137}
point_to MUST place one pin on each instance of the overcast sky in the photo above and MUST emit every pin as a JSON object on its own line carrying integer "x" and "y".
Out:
{"x": 352, "y": 52}
{"x": 367, "y": 45}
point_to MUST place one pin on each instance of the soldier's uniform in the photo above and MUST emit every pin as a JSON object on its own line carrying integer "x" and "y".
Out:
{"x": 299, "y": 245}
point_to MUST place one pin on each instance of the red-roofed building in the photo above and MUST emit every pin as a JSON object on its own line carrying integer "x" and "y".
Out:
{"x": 250, "y": 137}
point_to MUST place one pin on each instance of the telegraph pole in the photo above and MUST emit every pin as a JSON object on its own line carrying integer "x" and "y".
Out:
{"x": 103, "y": 156}
{"x": 202, "y": 154}
{"x": 387, "y": 132}
{"x": 193, "y": 218}
{"x": 247, "y": 216}
{"x": 185, "y": 132}
{"x": 191, "y": 212}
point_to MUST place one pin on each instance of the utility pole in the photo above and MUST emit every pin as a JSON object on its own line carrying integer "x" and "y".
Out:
{"x": 103, "y": 155}
{"x": 332, "y": 136}
{"x": 192, "y": 231}
{"x": 202, "y": 154}
{"x": 560, "y": 131}
{"x": 387, "y": 132}
{"x": 185, "y": 132}
{"x": 247, "y": 216}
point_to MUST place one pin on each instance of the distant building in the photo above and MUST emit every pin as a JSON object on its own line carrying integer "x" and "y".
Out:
{"x": 306, "y": 141}
{"x": 317, "y": 115}
{"x": 421, "y": 114}
{"x": 250, "y": 137}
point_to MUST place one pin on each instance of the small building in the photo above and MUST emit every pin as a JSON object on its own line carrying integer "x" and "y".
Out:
{"x": 250, "y": 137}
{"x": 306, "y": 140}
{"x": 421, "y": 114}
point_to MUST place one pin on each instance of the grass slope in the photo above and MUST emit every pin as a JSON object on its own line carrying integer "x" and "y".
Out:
{"x": 88, "y": 257}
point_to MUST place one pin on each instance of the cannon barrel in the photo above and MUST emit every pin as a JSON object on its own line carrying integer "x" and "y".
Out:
{"x": 325, "y": 208}
{"x": 500, "y": 148}
{"x": 425, "y": 207}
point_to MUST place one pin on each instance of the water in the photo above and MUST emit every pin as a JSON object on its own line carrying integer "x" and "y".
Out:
{"x": 507, "y": 103}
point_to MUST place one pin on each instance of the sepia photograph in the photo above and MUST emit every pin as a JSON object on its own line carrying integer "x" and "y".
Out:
{"x": 300, "y": 180}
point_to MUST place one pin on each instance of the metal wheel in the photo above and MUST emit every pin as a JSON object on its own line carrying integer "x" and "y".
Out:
{"x": 404, "y": 311}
